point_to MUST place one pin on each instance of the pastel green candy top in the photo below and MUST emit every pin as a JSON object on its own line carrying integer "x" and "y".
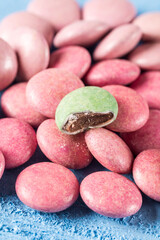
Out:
{"x": 88, "y": 103}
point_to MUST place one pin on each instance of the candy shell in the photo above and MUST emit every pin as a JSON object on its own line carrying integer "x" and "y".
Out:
{"x": 116, "y": 71}
{"x": 74, "y": 59}
{"x": 148, "y": 85}
{"x": 17, "y": 141}
{"x": 146, "y": 173}
{"x": 58, "y": 12}
{"x": 112, "y": 12}
{"x": 2, "y": 164}
{"x": 110, "y": 194}
{"x": 18, "y": 107}
{"x": 110, "y": 150}
{"x": 84, "y": 108}
{"x": 46, "y": 89}
{"x": 149, "y": 23}
{"x": 146, "y": 56}
{"x": 147, "y": 137}
{"x": 25, "y": 19}
{"x": 133, "y": 110}
{"x": 8, "y": 65}
{"x": 47, "y": 187}
{"x": 69, "y": 151}
{"x": 118, "y": 42}
{"x": 32, "y": 52}
{"x": 84, "y": 33}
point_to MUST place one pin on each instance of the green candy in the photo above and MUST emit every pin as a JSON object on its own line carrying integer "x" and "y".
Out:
{"x": 84, "y": 108}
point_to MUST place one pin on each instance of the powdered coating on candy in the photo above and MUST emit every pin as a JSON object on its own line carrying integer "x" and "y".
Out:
{"x": 2, "y": 164}
{"x": 110, "y": 194}
{"x": 118, "y": 42}
{"x": 149, "y": 25}
{"x": 146, "y": 56}
{"x": 47, "y": 187}
{"x": 8, "y": 65}
{"x": 74, "y": 59}
{"x": 69, "y": 151}
{"x": 25, "y": 19}
{"x": 116, "y": 71}
{"x": 46, "y": 89}
{"x": 84, "y": 33}
{"x": 58, "y": 12}
{"x": 148, "y": 85}
{"x": 112, "y": 12}
{"x": 110, "y": 150}
{"x": 84, "y": 108}
{"x": 14, "y": 104}
{"x": 146, "y": 173}
{"x": 147, "y": 137}
{"x": 133, "y": 110}
{"x": 27, "y": 41}
{"x": 17, "y": 141}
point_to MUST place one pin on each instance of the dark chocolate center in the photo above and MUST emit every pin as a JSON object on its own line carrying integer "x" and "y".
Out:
{"x": 82, "y": 121}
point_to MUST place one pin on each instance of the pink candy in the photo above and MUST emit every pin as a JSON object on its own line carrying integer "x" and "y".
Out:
{"x": 133, "y": 110}
{"x": 112, "y": 12}
{"x": 47, "y": 187}
{"x": 58, "y": 12}
{"x": 25, "y": 42}
{"x": 116, "y": 71}
{"x": 110, "y": 194}
{"x": 147, "y": 137}
{"x": 146, "y": 173}
{"x": 2, "y": 164}
{"x": 110, "y": 150}
{"x": 118, "y": 42}
{"x": 74, "y": 59}
{"x": 18, "y": 107}
{"x": 69, "y": 151}
{"x": 46, "y": 89}
{"x": 17, "y": 141}
{"x": 84, "y": 33}
{"x": 8, "y": 65}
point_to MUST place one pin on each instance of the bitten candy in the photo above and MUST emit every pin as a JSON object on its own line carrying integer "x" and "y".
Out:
{"x": 148, "y": 85}
{"x": 110, "y": 194}
{"x": 84, "y": 33}
{"x": 25, "y": 19}
{"x": 116, "y": 71}
{"x": 47, "y": 187}
{"x": 69, "y": 151}
{"x": 133, "y": 111}
{"x": 84, "y": 108}
{"x": 109, "y": 149}
{"x": 17, "y": 141}
{"x": 149, "y": 23}
{"x": 74, "y": 59}
{"x": 8, "y": 65}
{"x": 146, "y": 173}
{"x": 112, "y": 12}
{"x": 118, "y": 42}
{"x": 58, "y": 12}
{"x": 32, "y": 52}
{"x": 147, "y": 137}
{"x": 46, "y": 89}
{"x": 146, "y": 56}
{"x": 14, "y": 104}
{"x": 2, "y": 164}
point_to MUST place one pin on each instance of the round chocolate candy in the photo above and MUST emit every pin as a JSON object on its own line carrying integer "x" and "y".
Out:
{"x": 84, "y": 108}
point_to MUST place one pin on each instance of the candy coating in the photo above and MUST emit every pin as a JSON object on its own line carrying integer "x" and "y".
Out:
{"x": 47, "y": 187}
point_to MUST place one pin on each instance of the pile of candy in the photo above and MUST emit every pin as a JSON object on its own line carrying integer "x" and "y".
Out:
{"x": 74, "y": 104}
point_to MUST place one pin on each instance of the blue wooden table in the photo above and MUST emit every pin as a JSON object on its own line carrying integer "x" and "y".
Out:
{"x": 18, "y": 222}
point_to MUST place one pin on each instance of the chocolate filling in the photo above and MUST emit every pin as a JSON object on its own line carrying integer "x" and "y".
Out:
{"x": 79, "y": 122}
